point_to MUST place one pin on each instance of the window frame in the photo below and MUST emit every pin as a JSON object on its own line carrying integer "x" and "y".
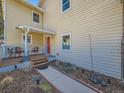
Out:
{"x": 23, "y": 42}
{"x": 33, "y": 17}
{"x": 65, "y": 34}
{"x": 62, "y": 12}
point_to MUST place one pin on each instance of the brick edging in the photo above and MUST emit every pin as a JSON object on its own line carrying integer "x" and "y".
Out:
{"x": 80, "y": 81}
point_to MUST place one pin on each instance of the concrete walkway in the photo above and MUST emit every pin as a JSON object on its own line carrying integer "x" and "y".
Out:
{"x": 64, "y": 83}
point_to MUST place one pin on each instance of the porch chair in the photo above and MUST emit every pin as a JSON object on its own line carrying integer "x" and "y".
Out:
{"x": 34, "y": 50}
{"x": 18, "y": 51}
{"x": 10, "y": 51}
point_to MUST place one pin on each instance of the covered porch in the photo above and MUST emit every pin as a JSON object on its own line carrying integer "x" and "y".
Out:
{"x": 40, "y": 45}
{"x": 40, "y": 42}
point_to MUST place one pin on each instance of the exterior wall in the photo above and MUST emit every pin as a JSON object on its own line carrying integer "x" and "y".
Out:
{"x": 37, "y": 41}
{"x": 17, "y": 14}
{"x": 102, "y": 19}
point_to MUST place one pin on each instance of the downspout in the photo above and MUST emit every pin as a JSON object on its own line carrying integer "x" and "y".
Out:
{"x": 122, "y": 46}
{"x": 91, "y": 52}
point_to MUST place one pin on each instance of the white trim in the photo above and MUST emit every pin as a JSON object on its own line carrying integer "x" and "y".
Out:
{"x": 62, "y": 12}
{"x": 22, "y": 40}
{"x": 36, "y": 30}
{"x": 47, "y": 45}
{"x": 44, "y": 21}
{"x": 64, "y": 34}
{"x": 39, "y": 17}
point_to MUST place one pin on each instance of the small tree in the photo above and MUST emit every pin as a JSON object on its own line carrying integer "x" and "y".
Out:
{"x": 39, "y": 3}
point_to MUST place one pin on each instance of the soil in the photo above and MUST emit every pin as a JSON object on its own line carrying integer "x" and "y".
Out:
{"x": 23, "y": 83}
{"x": 114, "y": 85}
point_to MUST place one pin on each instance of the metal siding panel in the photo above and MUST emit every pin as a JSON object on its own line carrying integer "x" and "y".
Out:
{"x": 100, "y": 18}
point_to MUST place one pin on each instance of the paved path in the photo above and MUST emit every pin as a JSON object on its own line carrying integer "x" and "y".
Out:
{"x": 64, "y": 83}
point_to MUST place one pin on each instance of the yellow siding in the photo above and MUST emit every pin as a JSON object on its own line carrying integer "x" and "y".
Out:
{"x": 18, "y": 14}
{"x": 37, "y": 41}
{"x": 102, "y": 19}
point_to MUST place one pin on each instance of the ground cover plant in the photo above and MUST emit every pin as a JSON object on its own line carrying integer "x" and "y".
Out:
{"x": 20, "y": 81}
{"x": 101, "y": 82}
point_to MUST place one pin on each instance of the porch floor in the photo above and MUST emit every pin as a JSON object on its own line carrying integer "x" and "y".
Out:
{"x": 17, "y": 60}
{"x": 11, "y": 61}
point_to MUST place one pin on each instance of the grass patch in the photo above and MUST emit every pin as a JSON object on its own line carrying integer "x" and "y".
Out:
{"x": 6, "y": 81}
{"x": 46, "y": 87}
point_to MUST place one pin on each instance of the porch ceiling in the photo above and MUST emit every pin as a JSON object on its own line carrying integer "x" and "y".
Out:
{"x": 35, "y": 30}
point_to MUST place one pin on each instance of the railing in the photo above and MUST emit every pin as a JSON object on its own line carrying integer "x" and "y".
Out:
{"x": 18, "y": 51}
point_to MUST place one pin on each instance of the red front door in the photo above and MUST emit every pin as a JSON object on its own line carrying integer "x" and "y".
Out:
{"x": 48, "y": 45}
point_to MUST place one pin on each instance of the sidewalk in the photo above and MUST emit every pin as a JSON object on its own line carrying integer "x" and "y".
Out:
{"x": 64, "y": 83}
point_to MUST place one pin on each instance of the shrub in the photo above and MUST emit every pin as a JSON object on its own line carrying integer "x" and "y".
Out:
{"x": 6, "y": 81}
{"x": 46, "y": 87}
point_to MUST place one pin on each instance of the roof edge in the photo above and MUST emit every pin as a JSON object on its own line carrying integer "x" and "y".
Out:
{"x": 30, "y": 6}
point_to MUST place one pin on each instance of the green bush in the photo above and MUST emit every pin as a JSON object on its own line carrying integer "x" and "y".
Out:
{"x": 46, "y": 87}
{"x": 6, "y": 81}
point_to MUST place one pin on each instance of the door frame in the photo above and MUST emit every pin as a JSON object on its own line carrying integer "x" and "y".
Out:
{"x": 48, "y": 44}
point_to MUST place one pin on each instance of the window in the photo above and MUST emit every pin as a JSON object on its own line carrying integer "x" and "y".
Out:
{"x": 65, "y": 5}
{"x": 66, "y": 42}
{"x": 36, "y": 18}
{"x": 29, "y": 39}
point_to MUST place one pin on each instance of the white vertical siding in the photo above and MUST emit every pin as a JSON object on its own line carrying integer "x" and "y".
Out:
{"x": 102, "y": 19}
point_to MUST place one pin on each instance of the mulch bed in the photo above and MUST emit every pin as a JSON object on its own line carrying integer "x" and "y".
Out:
{"x": 113, "y": 86}
{"x": 23, "y": 83}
